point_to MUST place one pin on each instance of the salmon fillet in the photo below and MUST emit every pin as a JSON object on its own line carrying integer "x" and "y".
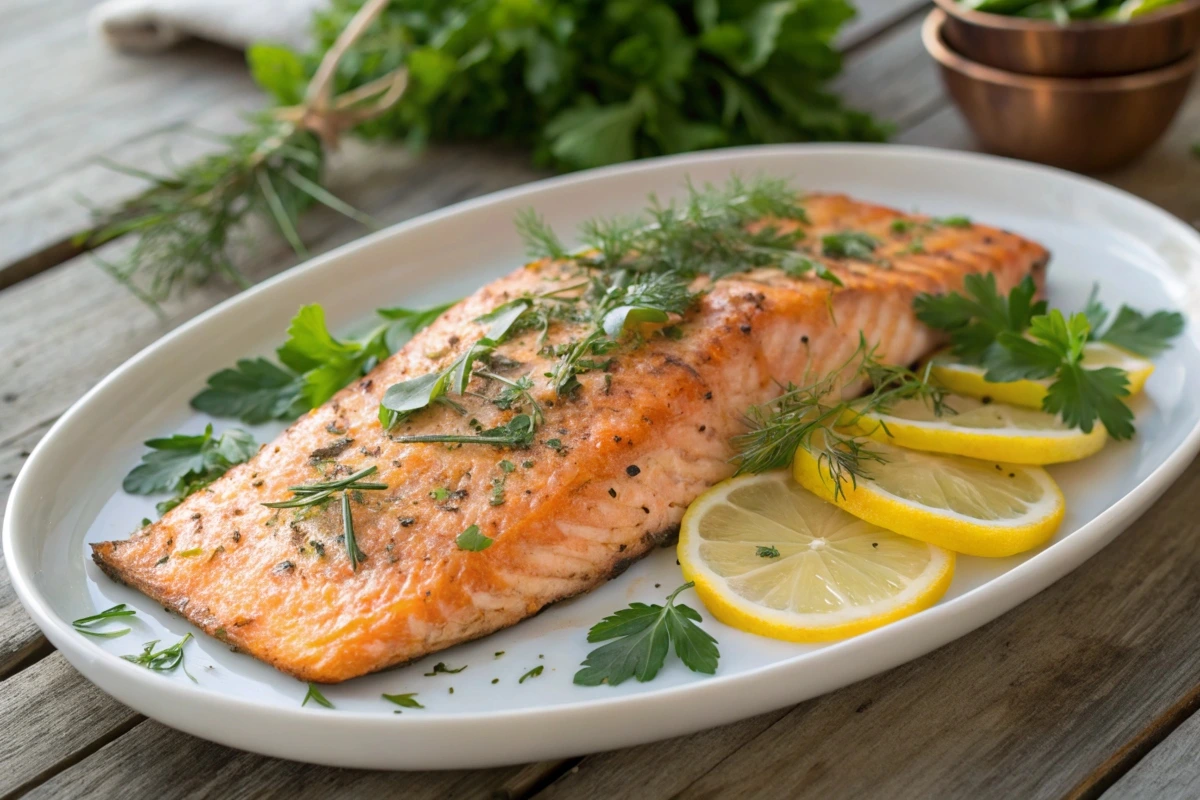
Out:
{"x": 635, "y": 445}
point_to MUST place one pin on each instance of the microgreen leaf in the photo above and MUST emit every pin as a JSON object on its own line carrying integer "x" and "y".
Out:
{"x": 1143, "y": 335}
{"x": 403, "y": 700}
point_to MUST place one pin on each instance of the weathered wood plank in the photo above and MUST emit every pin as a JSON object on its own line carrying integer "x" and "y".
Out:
{"x": 1027, "y": 706}
{"x": 41, "y": 736}
{"x": 20, "y": 640}
{"x": 153, "y": 759}
{"x": 1171, "y": 769}
{"x": 68, "y": 99}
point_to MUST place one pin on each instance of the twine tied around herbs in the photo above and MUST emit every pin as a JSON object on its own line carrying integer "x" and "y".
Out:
{"x": 329, "y": 117}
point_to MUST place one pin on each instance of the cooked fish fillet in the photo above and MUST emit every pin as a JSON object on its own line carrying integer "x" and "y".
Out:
{"x": 638, "y": 444}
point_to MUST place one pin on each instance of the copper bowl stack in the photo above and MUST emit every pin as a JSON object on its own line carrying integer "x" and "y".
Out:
{"x": 1087, "y": 95}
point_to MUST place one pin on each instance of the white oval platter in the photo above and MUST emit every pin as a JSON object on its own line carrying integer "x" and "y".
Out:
{"x": 1137, "y": 253}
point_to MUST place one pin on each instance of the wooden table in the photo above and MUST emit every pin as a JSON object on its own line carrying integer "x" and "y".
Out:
{"x": 1088, "y": 689}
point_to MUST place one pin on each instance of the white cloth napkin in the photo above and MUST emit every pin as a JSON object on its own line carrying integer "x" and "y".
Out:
{"x": 152, "y": 25}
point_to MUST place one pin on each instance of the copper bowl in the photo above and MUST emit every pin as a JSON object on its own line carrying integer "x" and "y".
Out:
{"x": 1085, "y": 124}
{"x": 1083, "y": 48}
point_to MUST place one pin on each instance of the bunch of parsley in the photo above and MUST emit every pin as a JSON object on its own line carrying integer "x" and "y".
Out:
{"x": 590, "y": 82}
{"x": 1015, "y": 337}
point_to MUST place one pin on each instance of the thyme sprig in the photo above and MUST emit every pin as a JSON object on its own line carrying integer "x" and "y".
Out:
{"x": 813, "y": 416}
{"x": 311, "y": 494}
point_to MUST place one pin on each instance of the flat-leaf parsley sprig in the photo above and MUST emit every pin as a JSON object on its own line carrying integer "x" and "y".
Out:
{"x": 639, "y": 638}
{"x": 809, "y": 415}
{"x": 185, "y": 464}
{"x": 1015, "y": 338}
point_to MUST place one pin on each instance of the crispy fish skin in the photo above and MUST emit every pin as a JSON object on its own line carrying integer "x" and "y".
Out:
{"x": 635, "y": 446}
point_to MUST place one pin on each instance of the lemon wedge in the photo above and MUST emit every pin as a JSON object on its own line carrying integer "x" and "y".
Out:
{"x": 770, "y": 558}
{"x": 967, "y": 379}
{"x": 990, "y": 431}
{"x": 979, "y": 508}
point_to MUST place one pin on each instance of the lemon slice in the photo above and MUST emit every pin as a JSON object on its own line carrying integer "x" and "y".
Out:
{"x": 770, "y": 558}
{"x": 980, "y": 508}
{"x": 968, "y": 379}
{"x": 971, "y": 427}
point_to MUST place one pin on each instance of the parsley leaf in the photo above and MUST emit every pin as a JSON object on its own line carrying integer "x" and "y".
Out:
{"x": 976, "y": 319}
{"x": 472, "y": 540}
{"x": 642, "y": 636}
{"x": 849, "y": 244}
{"x": 184, "y": 464}
{"x": 315, "y": 366}
{"x": 1144, "y": 335}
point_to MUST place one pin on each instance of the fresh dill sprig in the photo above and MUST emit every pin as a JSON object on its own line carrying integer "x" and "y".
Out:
{"x": 165, "y": 660}
{"x": 85, "y": 624}
{"x": 184, "y": 223}
{"x": 810, "y": 416}
{"x": 311, "y": 494}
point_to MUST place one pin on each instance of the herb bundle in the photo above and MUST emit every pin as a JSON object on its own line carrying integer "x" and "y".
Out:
{"x": 166, "y": 660}
{"x": 580, "y": 83}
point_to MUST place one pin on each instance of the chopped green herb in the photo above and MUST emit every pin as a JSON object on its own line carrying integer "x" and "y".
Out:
{"x": 440, "y": 494}
{"x": 85, "y": 624}
{"x": 556, "y": 445}
{"x": 440, "y": 668}
{"x": 642, "y": 636}
{"x": 472, "y": 540}
{"x": 766, "y": 552}
{"x": 315, "y": 695}
{"x": 165, "y": 660}
{"x": 506, "y": 466}
{"x": 195, "y": 551}
{"x": 533, "y": 673}
{"x": 849, "y": 244}
{"x": 958, "y": 221}
{"x": 499, "y": 653}
{"x": 404, "y": 700}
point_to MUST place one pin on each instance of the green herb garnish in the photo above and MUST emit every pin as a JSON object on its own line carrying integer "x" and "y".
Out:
{"x": 806, "y": 416}
{"x": 766, "y": 552}
{"x": 311, "y": 494}
{"x": 403, "y": 700}
{"x": 849, "y": 244}
{"x": 165, "y": 660}
{"x": 472, "y": 540}
{"x": 533, "y": 673}
{"x": 1015, "y": 338}
{"x": 85, "y": 624}
{"x": 185, "y": 464}
{"x": 440, "y": 668}
{"x": 315, "y": 695}
{"x": 315, "y": 366}
{"x": 643, "y": 635}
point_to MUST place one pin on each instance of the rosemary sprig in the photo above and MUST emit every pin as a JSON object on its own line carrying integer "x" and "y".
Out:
{"x": 311, "y": 494}
{"x": 85, "y": 624}
{"x": 165, "y": 660}
{"x": 810, "y": 416}
{"x": 516, "y": 433}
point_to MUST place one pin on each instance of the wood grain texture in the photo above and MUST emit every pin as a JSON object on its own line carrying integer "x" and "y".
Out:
{"x": 1171, "y": 770}
{"x": 154, "y": 760}
{"x": 41, "y": 735}
{"x": 69, "y": 99}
